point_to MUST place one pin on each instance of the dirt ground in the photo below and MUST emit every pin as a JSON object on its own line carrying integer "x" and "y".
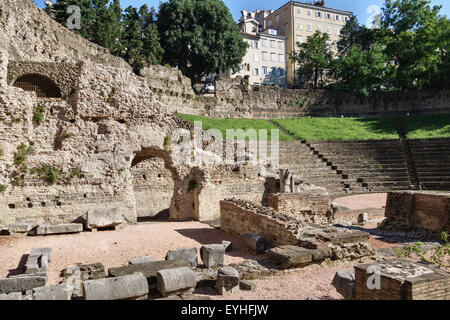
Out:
{"x": 363, "y": 201}
{"x": 115, "y": 248}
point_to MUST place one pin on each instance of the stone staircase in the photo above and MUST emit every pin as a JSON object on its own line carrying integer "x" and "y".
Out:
{"x": 367, "y": 165}
{"x": 432, "y": 162}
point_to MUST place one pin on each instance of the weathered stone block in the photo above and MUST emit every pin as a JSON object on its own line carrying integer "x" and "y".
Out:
{"x": 59, "y": 229}
{"x": 104, "y": 218}
{"x": 41, "y": 251}
{"x": 255, "y": 242}
{"x": 20, "y": 284}
{"x": 176, "y": 280}
{"x": 213, "y": 255}
{"x": 346, "y": 237}
{"x": 228, "y": 245}
{"x": 138, "y": 260}
{"x": 11, "y": 296}
{"x": 20, "y": 228}
{"x": 227, "y": 280}
{"x": 57, "y": 292}
{"x": 247, "y": 285}
{"x": 290, "y": 256}
{"x": 128, "y": 287}
{"x": 344, "y": 282}
{"x": 190, "y": 255}
{"x": 37, "y": 263}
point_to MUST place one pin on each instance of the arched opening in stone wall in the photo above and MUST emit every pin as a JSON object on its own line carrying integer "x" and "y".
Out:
{"x": 42, "y": 85}
{"x": 159, "y": 189}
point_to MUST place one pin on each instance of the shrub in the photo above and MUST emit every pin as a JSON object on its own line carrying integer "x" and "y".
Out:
{"x": 49, "y": 173}
{"x": 21, "y": 155}
{"x": 2, "y": 188}
{"x": 38, "y": 115}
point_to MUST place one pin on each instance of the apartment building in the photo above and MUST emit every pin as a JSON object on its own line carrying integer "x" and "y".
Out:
{"x": 265, "y": 60}
{"x": 297, "y": 21}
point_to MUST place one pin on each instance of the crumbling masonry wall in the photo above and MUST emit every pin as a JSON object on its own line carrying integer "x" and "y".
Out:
{"x": 418, "y": 210}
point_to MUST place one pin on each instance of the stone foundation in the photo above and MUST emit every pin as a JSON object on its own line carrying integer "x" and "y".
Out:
{"x": 428, "y": 212}
{"x": 402, "y": 280}
{"x": 312, "y": 206}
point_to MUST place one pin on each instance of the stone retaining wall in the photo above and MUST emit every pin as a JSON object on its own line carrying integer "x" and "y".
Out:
{"x": 422, "y": 211}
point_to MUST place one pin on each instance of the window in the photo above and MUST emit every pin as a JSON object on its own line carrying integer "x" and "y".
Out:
{"x": 300, "y": 39}
{"x": 329, "y": 30}
{"x": 255, "y": 44}
{"x": 274, "y": 71}
{"x": 318, "y": 14}
{"x": 269, "y": 23}
{"x": 277, "y": 18}
{"x": 309, "y": 27}
{"x": 265, "y": 70}
{"x": 256, "y": 72}
{"x": 337, "y": 31}
{"x": 328, "y": 16}
{"x": 299, "y": 11}
{"x": 319, "y": 28}
{"x": 256, "y": 57}
{"x": 299, "y": 26}
{"x": 272, "y": 43}
{"x": 273, "y": 32}
{"x": 280, "y": 45}
{"x": 337, "y": 17}
{"x": 264, "y": 43}
{"x": 273, "y": 57}
{"x": 346, "y": 19}
{"x": 309, "y": 13}
{"x": 280, "y": 58}
{"x": 265, "y": 56}
{"x": 281, "y": 72}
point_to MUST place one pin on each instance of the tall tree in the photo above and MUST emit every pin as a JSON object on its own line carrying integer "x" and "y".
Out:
{"x": 152, "y": 51}
{"x": 132, "y": 38}
{"x": 60, "y": 13}
{"x": 410, "y": 32}
{"x": 355, "y": 34}
{"x": 200, "y": 37}
{"x": 314, "y": 58}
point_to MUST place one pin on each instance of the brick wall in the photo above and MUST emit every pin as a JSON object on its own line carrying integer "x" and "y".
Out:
{"x": 425, "y": 211}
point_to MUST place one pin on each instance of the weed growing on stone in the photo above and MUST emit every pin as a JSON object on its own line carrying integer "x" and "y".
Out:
{"x": 38, "y": 115}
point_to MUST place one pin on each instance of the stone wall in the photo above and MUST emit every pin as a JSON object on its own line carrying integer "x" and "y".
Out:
{"x": 64, "y": 75}
{"x": 27, "y": 33}
{"x": 313, "y": 205}
{"x": 274, "y": 102}
{"x": 422, "y": 211}
{"x": 236, "y": 219}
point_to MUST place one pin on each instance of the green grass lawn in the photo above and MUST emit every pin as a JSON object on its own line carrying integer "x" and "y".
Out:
{"x": 428, "y": 126}
{"x": 340, "y": 129}
{"x": 244, "y": 124}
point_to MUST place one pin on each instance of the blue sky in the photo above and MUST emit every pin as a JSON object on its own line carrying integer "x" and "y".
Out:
{"x": 359, "y": 7}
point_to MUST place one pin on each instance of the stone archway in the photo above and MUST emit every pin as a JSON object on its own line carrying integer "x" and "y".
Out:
{"x": 42, "y": 85}
{"x": 184, "y": 203}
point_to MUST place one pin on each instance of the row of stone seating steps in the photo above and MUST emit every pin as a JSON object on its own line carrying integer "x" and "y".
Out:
{"x": 375, "y": 166}
{"x": 432, "y": 162}
{"x": 306, "y": 165}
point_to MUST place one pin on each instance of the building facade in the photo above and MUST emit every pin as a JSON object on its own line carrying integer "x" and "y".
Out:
{"x": 265, "y": 60}
{"x": 297, "y": 21}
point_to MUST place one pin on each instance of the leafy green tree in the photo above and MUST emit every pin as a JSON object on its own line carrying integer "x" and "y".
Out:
{"x": 362, "y": 71}
{"x": 200, "y": 37}
{"x": 314, "y": 59}
{"x": 132, "y": 38}
{"x": 355, "y": 34}
{"x": 152, "y": 51}
{"x": 410, "y": 32}
{"x": 59, "y": 12}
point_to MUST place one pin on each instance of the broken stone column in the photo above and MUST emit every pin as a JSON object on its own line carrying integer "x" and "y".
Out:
{"x": 59, "y": 229}
{"x": 130, "y": 287}
{"x": 189, "y": 255}
{"x": 139, "y": 260}
{"x": 178, "y": 280}
{"x": 227, "y": 280}
{"x": 255, "y": 242}
{"x": 213, "y": 255}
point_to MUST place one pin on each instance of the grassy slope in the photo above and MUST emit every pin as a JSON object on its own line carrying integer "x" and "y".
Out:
{"x": 244, "y": 124}
{"x": 428, "y": 126}
{"x": 340, "y": 129}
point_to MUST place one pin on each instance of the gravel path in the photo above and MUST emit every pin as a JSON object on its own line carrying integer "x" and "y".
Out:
{"x": 363, "y": 201}
{"x": 115, "y": 248}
